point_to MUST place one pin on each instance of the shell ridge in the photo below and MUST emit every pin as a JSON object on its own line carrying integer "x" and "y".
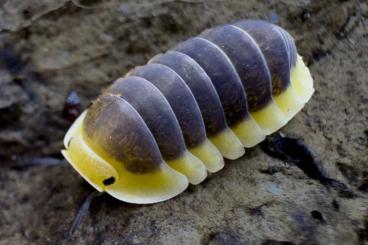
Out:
{"x": 224, "y": 55}
{"x": 224, "y": 140}
{"x": 246, "y": 129}
{"x": 209, "y": 85}
{"x": 167, "y": 87}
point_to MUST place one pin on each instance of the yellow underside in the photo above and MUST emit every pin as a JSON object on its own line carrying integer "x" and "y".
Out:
{"x": 209, "y": 155}
{"x": 302, "y": 81}
{"x": 74, "y": 128}
{"x": 190, "y": 166}
{"x": 289, "y": 102}
{"x": 88, "y": 164}
{"x": 270, "y": 118}
{"x": 148, "y": 188}
{"x": 228, "y": 144}
{"x": 248, "y": 132}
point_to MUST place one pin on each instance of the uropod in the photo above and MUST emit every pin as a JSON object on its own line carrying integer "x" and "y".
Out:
{"x": 168, "y": 123}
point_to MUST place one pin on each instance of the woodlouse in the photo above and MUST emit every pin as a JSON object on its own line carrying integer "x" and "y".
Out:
{"x": 167, "y": 123}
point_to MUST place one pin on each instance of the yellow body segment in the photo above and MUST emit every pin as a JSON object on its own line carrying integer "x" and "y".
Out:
{"x": 270, "y": 118}
{"x": 289, "y": 102}
{"x": 74, "y": 128}
{"x": 248, "y": 132}
{"x": 190, "y": 166}
{"x": 301, "y": 80}
{"x": 228, "y": 144}
{"x": 148, "y": 188}
{"x": 209, "y": 155}
{"x": 88, "y": 164}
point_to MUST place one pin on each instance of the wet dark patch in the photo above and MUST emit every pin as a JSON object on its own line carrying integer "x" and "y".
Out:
{"x": 335, "y": 205}
{"x": 26, "y": 14}
{"x": 363, "y": 232}
{"x": 363, "y": 187}
{"x": 317, "y": 55}
{"x": 257, "y": 210}
{"x": 191, "y": 189}
{"x": 305, "y": 15}
{"x": 270, "y": 170}
{"x": 318, "y": 216}
{"x": 294, "y": 151}
{"x": 10, "y": 61}
{"x": 86, "y": 3}
{"x": 223, "y": 238}
{"x": 169, "y": 24}
{"x": 10, "y": 115}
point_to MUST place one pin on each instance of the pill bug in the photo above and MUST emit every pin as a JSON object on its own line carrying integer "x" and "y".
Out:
{"x": 168, "y": 123}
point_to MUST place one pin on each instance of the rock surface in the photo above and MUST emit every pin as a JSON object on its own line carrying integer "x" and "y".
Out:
{"x": 49, "y": 48}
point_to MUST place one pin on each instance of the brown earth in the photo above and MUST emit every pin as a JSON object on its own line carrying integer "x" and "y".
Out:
{"x": 49, "y": 47}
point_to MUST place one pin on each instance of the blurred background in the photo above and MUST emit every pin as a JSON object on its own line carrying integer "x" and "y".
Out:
{"x": 57, "y": 55}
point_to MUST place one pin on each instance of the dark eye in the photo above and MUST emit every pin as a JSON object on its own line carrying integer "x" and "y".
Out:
{"x": 109, "y": 181}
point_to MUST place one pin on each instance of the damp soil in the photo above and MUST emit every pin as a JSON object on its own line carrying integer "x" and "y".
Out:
{"x": 307, "y": 184}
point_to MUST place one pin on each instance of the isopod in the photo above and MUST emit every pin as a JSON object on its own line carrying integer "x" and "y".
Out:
{"x": 168, "y": 123}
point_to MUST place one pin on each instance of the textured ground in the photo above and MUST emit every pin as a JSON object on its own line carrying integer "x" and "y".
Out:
{"x": 49, "y": 47}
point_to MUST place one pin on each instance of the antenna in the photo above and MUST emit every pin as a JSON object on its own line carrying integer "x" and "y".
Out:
{"x": 83, "y": 210}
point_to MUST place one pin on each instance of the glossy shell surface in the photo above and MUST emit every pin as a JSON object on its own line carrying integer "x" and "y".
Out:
{"x": 172, "y": 121}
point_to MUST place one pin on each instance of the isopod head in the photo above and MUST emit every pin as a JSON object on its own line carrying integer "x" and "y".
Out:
{"x": 116, "y": 157}
{"x": 88, "y": 164}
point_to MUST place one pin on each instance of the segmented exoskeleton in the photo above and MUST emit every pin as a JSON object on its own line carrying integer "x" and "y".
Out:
{"x": 168, "y": 123}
